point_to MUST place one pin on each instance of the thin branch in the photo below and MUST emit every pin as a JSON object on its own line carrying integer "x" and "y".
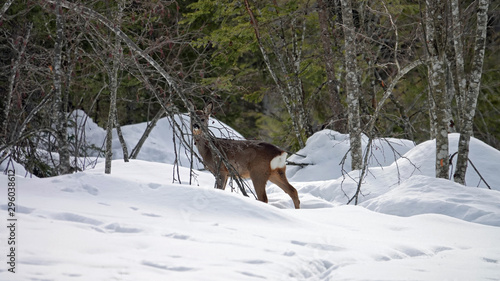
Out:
{"x": 5, "y": 7}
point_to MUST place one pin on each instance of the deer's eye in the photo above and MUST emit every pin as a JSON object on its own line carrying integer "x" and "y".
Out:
{"x": 202, "y": 119}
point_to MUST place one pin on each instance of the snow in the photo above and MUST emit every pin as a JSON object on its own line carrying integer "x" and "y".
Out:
{"x": 138, "y": 223}
{"x": 325, "y": 150}
{"x": 158, "y": 147}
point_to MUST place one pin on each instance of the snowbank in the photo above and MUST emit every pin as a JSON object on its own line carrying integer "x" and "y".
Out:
{"x": 407, "y": 186}
{"x": 145, "y": 222}
{"x": 325, "y": 151}
{"x": 135, "y": 224}
{"x": 158, "y": 147}
{"x": 426, "y": 195}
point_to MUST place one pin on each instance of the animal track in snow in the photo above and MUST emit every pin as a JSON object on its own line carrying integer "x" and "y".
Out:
{"x": 178, "y": 236}
{"x": 325, "y": 247}
{"x": 154, "y": 185}
{"x": 151, "y": 215}
{"x": 76, "y": 218}
{"x": 116, "y": 227}
{"x": 166, "y": 267}
{"x": 90, "y": 189}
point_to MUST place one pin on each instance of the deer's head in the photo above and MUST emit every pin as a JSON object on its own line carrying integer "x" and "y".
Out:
{"x": 202, "y": 120}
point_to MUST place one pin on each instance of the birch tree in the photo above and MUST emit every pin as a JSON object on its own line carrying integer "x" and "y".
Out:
{"x": 5, "y": 7}
{"x": 60, "y": 116}
{"x": 467, "y": 96}
{"x": 352, "y": 85}
{"x": 436, "y": 44}
{"x": 116, "y": 55}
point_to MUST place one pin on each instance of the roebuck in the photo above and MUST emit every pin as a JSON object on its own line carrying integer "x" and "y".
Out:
{"x": 257, "y": 160}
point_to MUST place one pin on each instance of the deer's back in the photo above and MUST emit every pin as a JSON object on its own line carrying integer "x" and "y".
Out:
{"x": 246, "y": 156}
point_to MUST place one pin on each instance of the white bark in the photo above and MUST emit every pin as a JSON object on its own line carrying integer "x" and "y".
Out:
{"x": 60, "y": 116}
{"x": 450, "y": 94}
{"x": 457, "y": 32}
{"x": 5, "y": 7}
{"x": 113, "y": 88}
{"x": 298, "y": 94}
{"x": 436, "y": 44}
{"x": 117, "y": 57}
{"x": 470, "y": 99}
{"x": 352, "y": 86}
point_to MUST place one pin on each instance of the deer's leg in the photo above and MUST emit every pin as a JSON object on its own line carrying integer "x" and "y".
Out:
{"x": 221, "y": 180}
{"x": 278, "y": 177}
{"x": 259, "y": 184}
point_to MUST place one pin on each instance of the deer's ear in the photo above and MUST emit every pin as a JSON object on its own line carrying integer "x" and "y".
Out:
{"x": 208, "y": 108}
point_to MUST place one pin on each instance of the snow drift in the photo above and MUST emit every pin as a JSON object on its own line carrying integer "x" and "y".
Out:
{"x": 142, "y": 223}
{"x": 159, "y": 145}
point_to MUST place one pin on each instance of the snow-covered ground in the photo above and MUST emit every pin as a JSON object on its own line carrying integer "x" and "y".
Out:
{"x": 140, "y": 224}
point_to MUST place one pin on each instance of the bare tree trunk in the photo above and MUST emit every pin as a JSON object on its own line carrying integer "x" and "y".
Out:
{"x": 352, "y": 86}
{"x": 5, "y": 7}
{"x": 108, "y": 155}
{"x": 61, "y": 100}
{"x": 113, "y": 88}
{"x": 459, "y": 67}
{"x": 432, "y": 114}
{"x": 450, "y": 93}
{"x": 298, "y": 95}
{"x": 120, "y": 137}
{"x": 470, "y": 99}
{"x": 146, "y": 133}
{"x": 436, "y": 45}
{"x": 337, "y": 108}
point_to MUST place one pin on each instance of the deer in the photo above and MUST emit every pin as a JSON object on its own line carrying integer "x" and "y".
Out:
{"x": 260, "y": 161}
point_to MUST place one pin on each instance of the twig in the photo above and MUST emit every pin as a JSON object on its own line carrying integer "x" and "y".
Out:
{"x": 298, "y": 164}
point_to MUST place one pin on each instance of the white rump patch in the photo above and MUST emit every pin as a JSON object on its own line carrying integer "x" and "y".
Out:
{"x": 279, "y": 161}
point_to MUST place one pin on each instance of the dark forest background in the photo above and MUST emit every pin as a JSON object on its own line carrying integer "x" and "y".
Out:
{"x": 276, "y": 70}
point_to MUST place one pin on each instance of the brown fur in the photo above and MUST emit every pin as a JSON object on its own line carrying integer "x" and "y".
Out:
{"x": 250, "y": 159}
